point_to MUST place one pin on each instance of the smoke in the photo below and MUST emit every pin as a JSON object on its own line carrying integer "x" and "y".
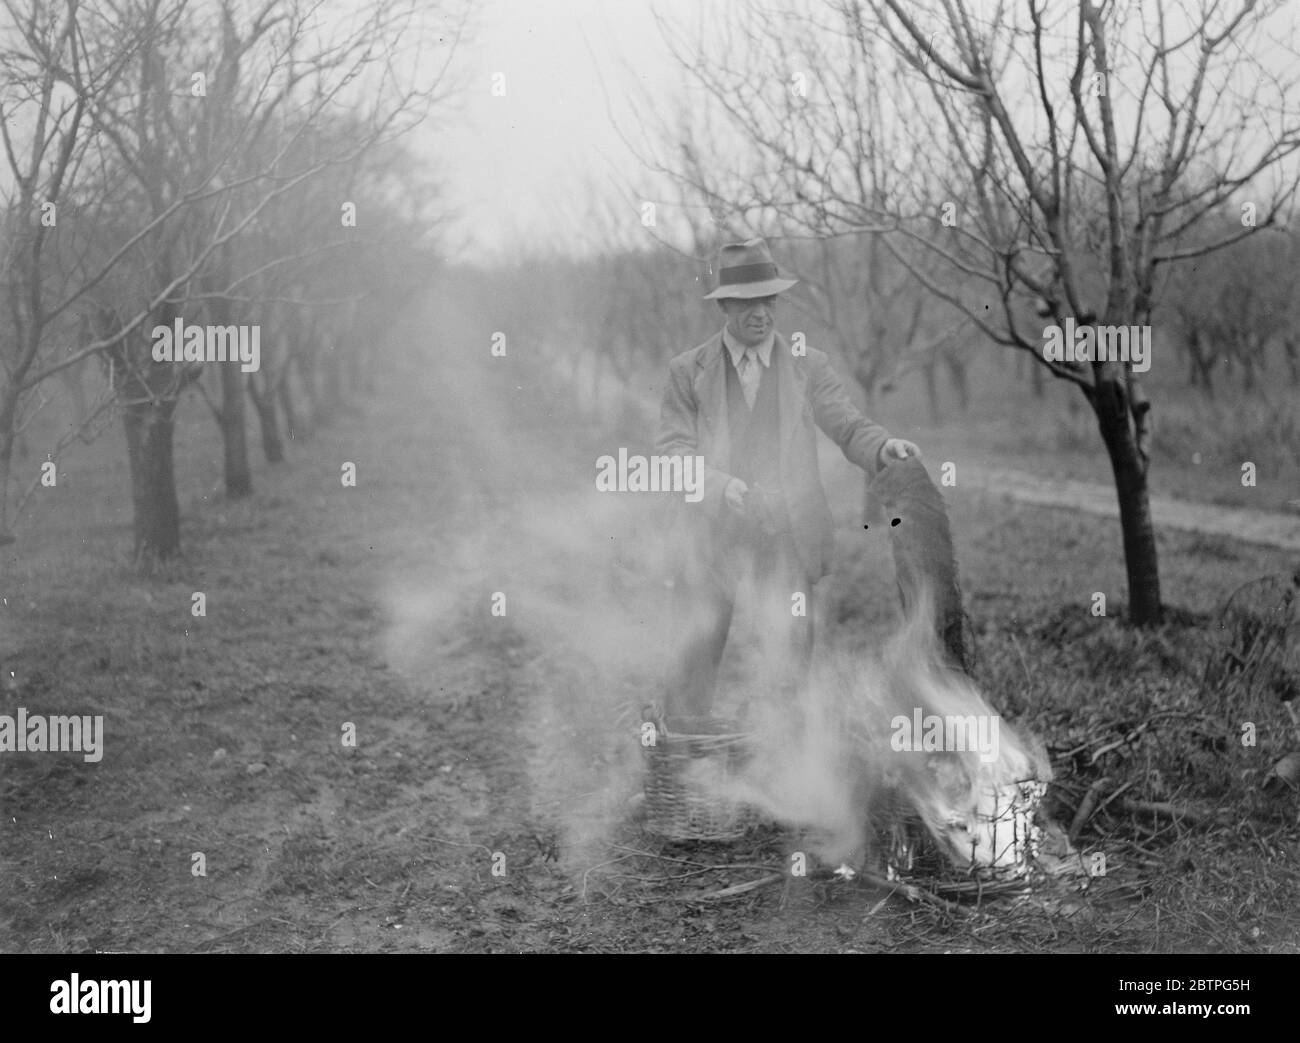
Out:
{"x": 521, "y": 585}
{"x": 844, "y": 762}
{"x": 583, "y": 636}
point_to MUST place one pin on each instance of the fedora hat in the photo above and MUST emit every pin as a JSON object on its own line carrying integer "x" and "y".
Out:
{"x": 747, "y": 270}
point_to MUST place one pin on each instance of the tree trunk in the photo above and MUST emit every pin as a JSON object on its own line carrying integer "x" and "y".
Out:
{"x": 960, "y": 383}
{"x": 149, "y": 426}
{"x": 1110, "y": 403}
{"x": 234, "y": 432}
{"x": 284, "y": 390}
{"x": 264, "y": 403}
{"x": 1292, "y": 349}
{"x": 147, "y": 394}
{"x": 71, "y": 379}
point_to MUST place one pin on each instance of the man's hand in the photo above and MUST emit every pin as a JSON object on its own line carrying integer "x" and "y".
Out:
{"x": 734, "y": 495}
{"x": 899, "y": 449}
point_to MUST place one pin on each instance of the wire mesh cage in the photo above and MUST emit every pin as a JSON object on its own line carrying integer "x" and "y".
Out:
{"x": 996, "y": 841}
{"x": 689, "y": 780}
{"x": 906, "y": 848}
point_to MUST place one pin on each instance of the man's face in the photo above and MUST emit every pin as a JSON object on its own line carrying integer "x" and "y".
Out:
{"x": 750, "y": 321}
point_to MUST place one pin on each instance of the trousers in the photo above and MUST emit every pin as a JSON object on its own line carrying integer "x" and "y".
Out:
{"x": 704, "y": 601}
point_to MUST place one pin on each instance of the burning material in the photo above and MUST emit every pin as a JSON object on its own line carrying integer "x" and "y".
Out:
{"x": 967, "y": 788}
{"x": 978, "y": 788}
{"x": 893, "y": 762}
{"x": 897, "y": 762}
{"x": 995, "y": 835}
{"x": 872, "y": 789}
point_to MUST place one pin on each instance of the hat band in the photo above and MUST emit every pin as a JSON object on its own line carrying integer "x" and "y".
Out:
{"x": 743, "y": 273}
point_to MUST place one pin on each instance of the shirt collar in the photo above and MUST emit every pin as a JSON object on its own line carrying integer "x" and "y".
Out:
{"x": 737, "y": 351}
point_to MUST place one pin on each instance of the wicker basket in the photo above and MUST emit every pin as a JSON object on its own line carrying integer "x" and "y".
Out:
{"x": 683, "y": 777}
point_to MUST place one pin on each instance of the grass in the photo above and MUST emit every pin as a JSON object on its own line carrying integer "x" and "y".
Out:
{"x": 1131, "y": 707}
{"x": 223, "y": 732}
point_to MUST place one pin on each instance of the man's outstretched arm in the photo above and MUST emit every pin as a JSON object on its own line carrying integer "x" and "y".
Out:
{"x": 863, "y": 441}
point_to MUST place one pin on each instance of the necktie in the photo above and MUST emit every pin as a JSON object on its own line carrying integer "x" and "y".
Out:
{"x": 749, "y": 376}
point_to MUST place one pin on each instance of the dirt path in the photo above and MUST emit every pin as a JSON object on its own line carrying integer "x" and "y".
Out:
{"x": 1263, "y": 527}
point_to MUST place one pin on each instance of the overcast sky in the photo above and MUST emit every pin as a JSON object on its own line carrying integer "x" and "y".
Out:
{"x": 513, "y": 161}
{"x": 523, "y": 166}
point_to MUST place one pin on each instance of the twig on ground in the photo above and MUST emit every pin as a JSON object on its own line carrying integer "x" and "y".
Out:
{"x": 600, "y": 865}
{"x": 1124, "y": 741}
{"x": 1086, "y": 808}
{"x": 1137, "y": 852}
{"x": 455, "y": 843}
{"x": 1067, "y": 754}
{"x": 208, "y": 943}
{"x": 740, "y": 889}
{"x": 876, "y": 908}
{"x": 1102, "y": 806}
{"x": 1174, "y": 811}
{"x": 910, "y": 891}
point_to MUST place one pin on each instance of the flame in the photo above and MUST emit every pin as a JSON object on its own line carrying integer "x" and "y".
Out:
{"x": 977, "y": 804}
{"x": 833, "y": 765}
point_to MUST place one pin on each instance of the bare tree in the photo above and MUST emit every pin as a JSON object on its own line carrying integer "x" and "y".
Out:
{"x": 1091, "y": 140}
{"x": 169, "y": 178}
{"x": 1049, "y": 156}
{"x": 1238, "y": 311}
{"x": 45, "y": 146}
{"x": 796, "y": 143}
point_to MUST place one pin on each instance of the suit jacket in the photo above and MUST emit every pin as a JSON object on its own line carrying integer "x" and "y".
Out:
{"x": 693, "y": 421}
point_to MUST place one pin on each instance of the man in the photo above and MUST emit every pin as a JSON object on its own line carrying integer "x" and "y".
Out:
{"x": 747, "y": 403}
